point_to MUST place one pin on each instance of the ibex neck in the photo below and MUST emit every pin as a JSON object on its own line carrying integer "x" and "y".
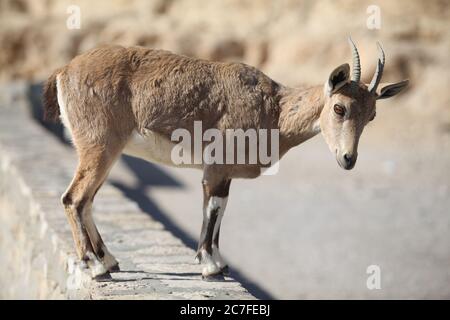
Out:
{"x": 299, "y": 116}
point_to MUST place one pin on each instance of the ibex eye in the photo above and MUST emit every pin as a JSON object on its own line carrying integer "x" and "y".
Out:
{"x": 339, "y": 110}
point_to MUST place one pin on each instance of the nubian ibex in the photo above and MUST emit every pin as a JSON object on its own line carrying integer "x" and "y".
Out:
{"x": 117, "y": 100}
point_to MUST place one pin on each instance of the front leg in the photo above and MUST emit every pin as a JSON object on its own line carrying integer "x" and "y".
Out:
{"x": 215, "y": 196}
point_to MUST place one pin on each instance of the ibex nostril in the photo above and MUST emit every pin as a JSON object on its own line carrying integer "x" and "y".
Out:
{"x": 348, "y": 158}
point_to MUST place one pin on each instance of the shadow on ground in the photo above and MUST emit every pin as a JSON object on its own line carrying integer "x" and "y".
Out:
{"x": 148, "y": 176}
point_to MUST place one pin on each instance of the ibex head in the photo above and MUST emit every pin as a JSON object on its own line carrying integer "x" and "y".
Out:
{"x": 350, "y": 105}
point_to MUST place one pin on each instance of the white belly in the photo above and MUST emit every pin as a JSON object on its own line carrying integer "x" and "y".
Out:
{"x": 153, "y": 147}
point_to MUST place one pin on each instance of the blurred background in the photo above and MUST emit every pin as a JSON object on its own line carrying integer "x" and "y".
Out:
{"x": 312, "y": 230}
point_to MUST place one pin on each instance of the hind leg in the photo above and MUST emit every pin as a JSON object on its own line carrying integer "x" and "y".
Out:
{"x": 98, "y": 246}
{"x": 94, "y": 164}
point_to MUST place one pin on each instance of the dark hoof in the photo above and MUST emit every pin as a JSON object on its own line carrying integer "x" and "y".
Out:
{"x": 225, "y": 270}
{"x": 214, "y": 277}
{"x": 114, "y": 268}
{"x": 103, "y": 277}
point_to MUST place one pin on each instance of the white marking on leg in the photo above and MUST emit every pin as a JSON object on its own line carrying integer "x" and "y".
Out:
{"x": 210, "y": 267}
{"x": 213, "y": 204}
{"x": 95, "y": 266}
{"x": 213, "y": 263}
{"x": 217, "y": 257}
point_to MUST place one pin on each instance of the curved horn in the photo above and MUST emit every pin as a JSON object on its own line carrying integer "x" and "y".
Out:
{"x": 356, "y": 69}
{"x": 378, "y": 72}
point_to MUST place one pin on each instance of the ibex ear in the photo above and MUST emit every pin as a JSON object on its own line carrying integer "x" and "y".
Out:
{"x": 390, "y": 90}
{"x": 337, "y": 79}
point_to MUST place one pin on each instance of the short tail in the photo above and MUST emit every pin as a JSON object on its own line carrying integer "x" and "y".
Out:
{"x": 50, "y": 98}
